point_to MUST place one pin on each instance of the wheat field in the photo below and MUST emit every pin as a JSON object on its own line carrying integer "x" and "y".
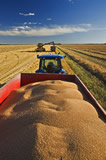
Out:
{"x": 89, "y": 63}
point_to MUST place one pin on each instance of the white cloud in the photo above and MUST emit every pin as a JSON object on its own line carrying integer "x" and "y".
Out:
{"x": 27, "y": 14}
{"x": 43, "y": 31}
{"x": 30, "y": 23}
{"x": 20, "y": 28}
{"x": 49, "y": 19}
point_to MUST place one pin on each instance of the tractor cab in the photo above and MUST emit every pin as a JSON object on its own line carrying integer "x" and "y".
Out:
{"x": 50, "y": 63}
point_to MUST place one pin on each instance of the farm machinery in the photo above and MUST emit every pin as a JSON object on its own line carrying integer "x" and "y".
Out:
{"x": 50, "y": 63}
{"x": 23, "y": 79}
{"x": 40, "y": 48}
{"x": 53, "y": 48}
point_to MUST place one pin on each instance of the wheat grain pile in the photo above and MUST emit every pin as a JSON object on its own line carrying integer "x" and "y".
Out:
{"x": 50, "y": 121}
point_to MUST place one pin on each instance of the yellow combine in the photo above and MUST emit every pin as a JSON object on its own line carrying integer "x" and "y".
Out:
{"x": 40, "y": 48}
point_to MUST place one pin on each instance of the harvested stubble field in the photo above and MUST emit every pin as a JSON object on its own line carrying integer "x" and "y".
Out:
{"x": 89, "y": 63}
{"x": 15, "y": 59}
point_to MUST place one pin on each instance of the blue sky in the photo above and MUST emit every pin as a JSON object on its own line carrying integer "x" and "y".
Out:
{"x": 64, "y": 21}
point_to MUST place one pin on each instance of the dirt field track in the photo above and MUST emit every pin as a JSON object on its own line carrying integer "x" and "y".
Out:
{"x": 15, "y": 59}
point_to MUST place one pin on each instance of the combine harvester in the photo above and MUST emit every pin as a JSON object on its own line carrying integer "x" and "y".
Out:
{"x": 40, "y": 48}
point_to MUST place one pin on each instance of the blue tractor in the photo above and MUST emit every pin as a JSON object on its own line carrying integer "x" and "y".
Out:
{"x": 50, "y": 63}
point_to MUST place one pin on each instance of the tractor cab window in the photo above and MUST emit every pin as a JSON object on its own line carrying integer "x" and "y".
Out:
{"x": 50, "y": 65}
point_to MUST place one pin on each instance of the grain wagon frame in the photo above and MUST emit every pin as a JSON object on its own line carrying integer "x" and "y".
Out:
{"x": 23, "y": 79}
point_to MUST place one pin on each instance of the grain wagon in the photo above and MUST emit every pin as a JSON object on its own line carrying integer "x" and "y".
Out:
{"x": 27, "y": 78}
